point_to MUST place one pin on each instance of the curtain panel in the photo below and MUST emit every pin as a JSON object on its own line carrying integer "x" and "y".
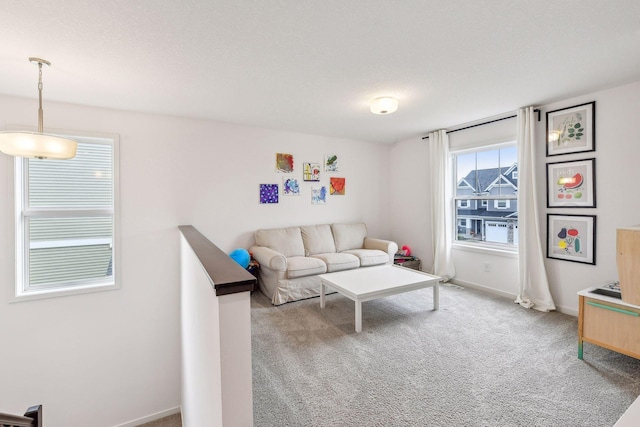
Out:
{"x": 534, "y": 287}
{"x": 441, "y": 205}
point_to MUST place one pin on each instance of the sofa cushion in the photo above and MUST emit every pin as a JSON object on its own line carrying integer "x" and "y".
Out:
{"x": 349, "y": 236}
{"x": 287, "y": 241}
{"x": 301, "y": 266}
{"x": 369, "y": 257}
{"x": 317, "y": 239}
{"x": 338, "y": 261}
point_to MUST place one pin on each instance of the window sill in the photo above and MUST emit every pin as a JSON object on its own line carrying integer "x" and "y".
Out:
{"x": 62, "y": 292}
{"x": 486, "y": 249}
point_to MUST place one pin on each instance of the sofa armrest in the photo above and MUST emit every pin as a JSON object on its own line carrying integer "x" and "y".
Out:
{"x": 269, "y": 258}
{"x": 383, "y": 245}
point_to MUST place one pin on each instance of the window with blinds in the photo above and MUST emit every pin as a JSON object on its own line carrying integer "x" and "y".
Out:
{"x": 66, "y": 220}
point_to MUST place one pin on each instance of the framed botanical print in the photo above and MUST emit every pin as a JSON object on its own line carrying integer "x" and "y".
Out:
{"x": 571, "y": 184}
{"x": 571, "y": 130}
{"x": 572, "y": 238}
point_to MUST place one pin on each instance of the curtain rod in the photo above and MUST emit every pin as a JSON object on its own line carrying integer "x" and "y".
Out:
{"x": 537, "y": 110}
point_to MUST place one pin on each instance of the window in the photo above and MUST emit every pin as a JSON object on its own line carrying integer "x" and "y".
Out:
{"x": 501, "y": 204}
{"x": 66, "y": 221}
{"x": 487, "y": 174}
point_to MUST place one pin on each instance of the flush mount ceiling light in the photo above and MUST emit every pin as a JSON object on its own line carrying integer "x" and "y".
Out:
{"x": 38, "y": 145}
{"x": 384, "y": 105}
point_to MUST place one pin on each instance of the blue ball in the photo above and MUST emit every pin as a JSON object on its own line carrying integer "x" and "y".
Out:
{"x": 241, "y": 256}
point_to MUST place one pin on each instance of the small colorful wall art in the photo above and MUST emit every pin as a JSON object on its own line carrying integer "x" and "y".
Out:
{"x": 284, "y": 163}
{"x": 571, "y": 184}
{"x": 319, "y": 195}
{"x": 572, "y": 238}
{"x": 311, "y": 172}
{"x": 331, "y": 163}
{"x": 337, "y": 186}
{"x": 268, "y": 193}
{"x": 290, "y": 187}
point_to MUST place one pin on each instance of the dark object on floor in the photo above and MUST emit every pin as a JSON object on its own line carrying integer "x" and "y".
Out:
{"x": 408, "y": 261}
{"x": 31, "y": 418}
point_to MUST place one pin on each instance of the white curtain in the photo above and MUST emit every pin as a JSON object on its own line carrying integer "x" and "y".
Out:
{"x": 534, "y": 287}
{"x": 441, "y": 205}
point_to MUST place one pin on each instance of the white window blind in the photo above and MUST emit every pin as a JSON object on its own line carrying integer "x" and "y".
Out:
{"x": 66, "y": 220}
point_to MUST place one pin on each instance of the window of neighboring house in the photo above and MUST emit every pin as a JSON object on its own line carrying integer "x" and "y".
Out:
{"x": 501, "y": 204}
{"x": 482, "y": 174}
{"x": 463, "y": 203}
{"x": 66, "y": 236}
{"x": 514, "y": 175}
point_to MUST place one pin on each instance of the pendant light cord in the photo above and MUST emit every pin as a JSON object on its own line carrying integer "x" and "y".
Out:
{"x": 40, "y": 126}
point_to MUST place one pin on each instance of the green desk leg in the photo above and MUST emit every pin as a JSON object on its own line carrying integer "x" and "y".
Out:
{"x": 580, "y": 349}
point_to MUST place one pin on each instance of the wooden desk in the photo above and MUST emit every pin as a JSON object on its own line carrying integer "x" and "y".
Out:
{"x": 608, "y": 322}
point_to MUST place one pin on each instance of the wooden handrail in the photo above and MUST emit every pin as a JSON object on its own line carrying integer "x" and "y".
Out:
{"x": 227, "y": 276}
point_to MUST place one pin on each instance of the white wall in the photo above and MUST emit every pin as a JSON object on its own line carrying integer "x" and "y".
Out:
{"x": 216, "y": 350}
{"x": 410, "y": 183}
{"x": 617, "y": 174}
{"x": 410, "y": 179}
{"x": 108, "y": 358}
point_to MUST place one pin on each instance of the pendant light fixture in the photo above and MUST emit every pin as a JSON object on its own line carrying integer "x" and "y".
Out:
{"x": 37, "y": 145}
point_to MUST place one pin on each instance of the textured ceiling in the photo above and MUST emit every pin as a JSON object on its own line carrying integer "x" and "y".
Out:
{"x": 313, "y": 66}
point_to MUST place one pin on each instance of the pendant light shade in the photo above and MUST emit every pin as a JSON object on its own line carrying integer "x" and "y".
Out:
{"x": 384, "y": 105}
{"x": 37, "y": 144}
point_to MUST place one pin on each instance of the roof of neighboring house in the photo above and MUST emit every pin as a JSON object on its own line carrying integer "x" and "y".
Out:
{"x": 481, "y": 180}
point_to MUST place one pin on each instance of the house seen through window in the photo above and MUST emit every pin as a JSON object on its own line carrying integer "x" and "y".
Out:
{"x": 65, "y": 220}
{"x": 486, "y": 192}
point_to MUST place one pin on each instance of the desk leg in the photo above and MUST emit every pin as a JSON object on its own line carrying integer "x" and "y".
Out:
{"x": 580, "y": 349}
{"x": 580, "y": 324}
{"x": 436, "y": 296}
{"x": 321, "y": 294}
{"x": 358, "y": 316}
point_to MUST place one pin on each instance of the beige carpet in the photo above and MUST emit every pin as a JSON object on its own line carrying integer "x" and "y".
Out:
{"x": 174, "y": 420}
{"x": 480, "y": 360}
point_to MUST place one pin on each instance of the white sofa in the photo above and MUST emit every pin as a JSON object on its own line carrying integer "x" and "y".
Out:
{"x": 292, "y": 258}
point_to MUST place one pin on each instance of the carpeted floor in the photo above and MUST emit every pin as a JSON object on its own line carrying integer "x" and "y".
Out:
{"x": 480, "y": 360}
{"x": 174, "y": 420}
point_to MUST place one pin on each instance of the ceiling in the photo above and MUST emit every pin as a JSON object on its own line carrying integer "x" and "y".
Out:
{"x": 313, "y": 66}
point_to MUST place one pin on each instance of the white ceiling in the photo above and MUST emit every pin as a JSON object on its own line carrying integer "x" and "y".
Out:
{"x": 313, "y": 65}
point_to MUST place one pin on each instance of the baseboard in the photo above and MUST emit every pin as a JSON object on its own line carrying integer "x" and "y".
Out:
{"x": 486, "y": 289}
{"x": 563, "y": 310}
{"x": 151, "y": 417}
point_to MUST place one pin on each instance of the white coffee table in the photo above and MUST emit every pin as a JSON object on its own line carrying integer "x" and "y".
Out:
{"x": 368, "y": 283}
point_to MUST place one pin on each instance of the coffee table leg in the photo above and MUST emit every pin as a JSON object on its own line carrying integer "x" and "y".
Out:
{"x": 358, "y": 316}
{"x": 321, "y": 294}
{"x": 436, "y": 296}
